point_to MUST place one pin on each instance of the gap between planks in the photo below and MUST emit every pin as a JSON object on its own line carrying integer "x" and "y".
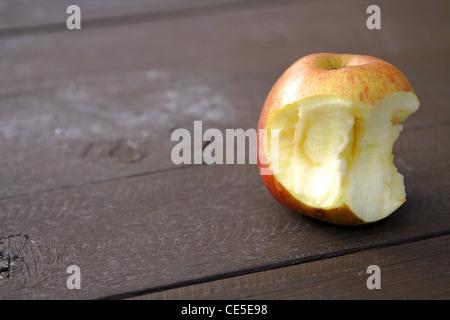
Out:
{"x": 274, "y": 266}
{"x": 131, "y": 176}
{"x": 410, "y": 271}
{"x": 167, "y": 15}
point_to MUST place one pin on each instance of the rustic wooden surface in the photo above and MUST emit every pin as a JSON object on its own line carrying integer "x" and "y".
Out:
{"x": 86, "y": 176}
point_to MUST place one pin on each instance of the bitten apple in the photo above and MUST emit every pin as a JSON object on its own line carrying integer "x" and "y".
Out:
{"x": 338, "y": 116}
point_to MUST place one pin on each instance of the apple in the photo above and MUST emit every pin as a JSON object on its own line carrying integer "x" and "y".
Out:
{"x": 338, "y": 116}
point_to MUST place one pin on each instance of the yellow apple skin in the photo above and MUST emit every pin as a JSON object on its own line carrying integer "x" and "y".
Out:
{"x": 359, "y": 78}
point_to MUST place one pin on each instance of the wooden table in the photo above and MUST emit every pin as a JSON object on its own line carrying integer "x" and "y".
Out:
{"x": 86, "y": 176}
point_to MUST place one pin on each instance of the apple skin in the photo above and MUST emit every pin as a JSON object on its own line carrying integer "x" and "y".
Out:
{"x": 351, "y": 77}
{"x": 359, "y": 78}
{"x": 340, "y": 216}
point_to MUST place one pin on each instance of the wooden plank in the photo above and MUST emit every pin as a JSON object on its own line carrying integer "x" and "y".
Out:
{"x": 86, "y": 176}
{"x": 20, "y": 15}
{"x": 178, "y": 227}
{"x": 83, "y": 141}
{"x": 82, "y": 95}
{"x": 418, "y": 270}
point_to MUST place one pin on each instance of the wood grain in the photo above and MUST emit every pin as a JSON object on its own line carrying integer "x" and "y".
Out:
{"x": 21, "y": 16}
{"x": 417, "y": 270}
{"x": 161, "y": 230}
{"x": 86, "y": 176}
{"x": 82, "y": 93}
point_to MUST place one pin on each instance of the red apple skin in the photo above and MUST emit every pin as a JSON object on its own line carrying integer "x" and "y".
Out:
{"x": 359, "y": 78}
{"x": 340, "y": 216}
